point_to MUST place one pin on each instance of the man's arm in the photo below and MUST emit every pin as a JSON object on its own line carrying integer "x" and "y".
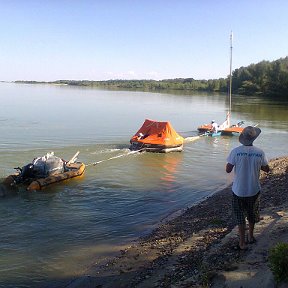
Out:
{"x": 229, "y": 167}
{"x": 265, "y": 168}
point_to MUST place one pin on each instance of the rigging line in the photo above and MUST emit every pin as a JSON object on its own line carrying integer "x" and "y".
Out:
{"x": 114, "y": 157}
{"x": 230, "y": 78}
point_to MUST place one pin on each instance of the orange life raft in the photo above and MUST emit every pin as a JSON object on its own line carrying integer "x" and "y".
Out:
{"x": 155, "y": 136}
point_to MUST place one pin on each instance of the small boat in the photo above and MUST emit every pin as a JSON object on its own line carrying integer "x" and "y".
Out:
{"x": 26, "y": 176}
{"x": 155, "y": 136}
{"x": 207, "y": 130}
{"x": 225, "y": 128}
{"x": 234, "y": 129}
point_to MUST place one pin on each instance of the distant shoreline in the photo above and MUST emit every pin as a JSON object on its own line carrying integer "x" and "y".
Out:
{"x": 275, "y": 74}
{"x": 271, "y": 90}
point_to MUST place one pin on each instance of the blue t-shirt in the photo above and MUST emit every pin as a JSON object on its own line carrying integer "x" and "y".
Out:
{"x": 247, "y": 161}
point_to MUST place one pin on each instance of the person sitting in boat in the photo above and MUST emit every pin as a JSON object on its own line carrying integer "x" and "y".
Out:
{"x": 214, "y": 126}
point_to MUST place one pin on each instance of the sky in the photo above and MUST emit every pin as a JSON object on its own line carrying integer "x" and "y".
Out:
{"x": 48, "y": 40}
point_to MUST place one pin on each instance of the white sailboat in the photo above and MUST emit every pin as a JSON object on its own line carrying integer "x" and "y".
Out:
{"x": 225, "y": 128}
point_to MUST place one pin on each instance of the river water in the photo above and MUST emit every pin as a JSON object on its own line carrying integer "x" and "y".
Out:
{"x": 55, "y": 234}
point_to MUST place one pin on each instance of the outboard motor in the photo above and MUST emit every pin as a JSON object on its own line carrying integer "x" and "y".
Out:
{"x": 25, "y": 173}
{"x": 239, "y": 124}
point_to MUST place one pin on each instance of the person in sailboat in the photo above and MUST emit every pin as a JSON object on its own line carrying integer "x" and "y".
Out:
{"x": 214, "y": 126}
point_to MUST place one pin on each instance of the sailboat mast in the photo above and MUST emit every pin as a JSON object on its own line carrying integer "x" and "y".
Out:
{"x": 230, "y": 84}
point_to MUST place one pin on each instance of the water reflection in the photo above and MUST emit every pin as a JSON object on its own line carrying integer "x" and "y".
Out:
{"x": 267, "y": 113}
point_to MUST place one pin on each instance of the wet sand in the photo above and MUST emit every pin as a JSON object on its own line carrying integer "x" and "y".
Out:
{"x": 196, "y": 249}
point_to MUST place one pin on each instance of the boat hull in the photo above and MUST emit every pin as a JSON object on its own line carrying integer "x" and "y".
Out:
{"x": 234, "y": 130}
{"x": 139, "y": 146}
{"x": 73, "y": 170}
{"x": 215, "y": 134}
{"x": 204, "y": 128}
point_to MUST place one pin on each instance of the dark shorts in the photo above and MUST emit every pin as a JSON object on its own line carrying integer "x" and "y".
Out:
{"x": 243, "y": 207}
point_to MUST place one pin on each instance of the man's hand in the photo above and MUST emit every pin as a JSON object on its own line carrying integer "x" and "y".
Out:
{"x": 229, "y": 167}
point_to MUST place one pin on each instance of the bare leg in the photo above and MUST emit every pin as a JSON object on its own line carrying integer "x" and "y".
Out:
{"x": 241, "y": 228}
{"x": 251, "y": 231}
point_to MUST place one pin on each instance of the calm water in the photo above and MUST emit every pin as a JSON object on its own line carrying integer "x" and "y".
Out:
{"x": 53, "y": 235}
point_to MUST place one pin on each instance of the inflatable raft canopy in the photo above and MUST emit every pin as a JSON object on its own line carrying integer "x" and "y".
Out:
{"x": 156, "y": 136}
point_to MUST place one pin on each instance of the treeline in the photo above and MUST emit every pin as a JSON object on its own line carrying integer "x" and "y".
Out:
{"x": 265, "y": 78}
{"x": 146, "y": 85}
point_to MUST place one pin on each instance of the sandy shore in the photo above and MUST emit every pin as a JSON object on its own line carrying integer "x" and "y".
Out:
{"x": 196, "y": 249}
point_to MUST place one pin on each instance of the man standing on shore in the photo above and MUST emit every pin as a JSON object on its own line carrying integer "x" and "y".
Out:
{"x": 247, "y": 161}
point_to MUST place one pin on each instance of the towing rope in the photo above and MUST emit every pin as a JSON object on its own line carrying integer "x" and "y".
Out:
{"x": 114, "y": 157}
{"x": 194, "y": 138}
{"x": 188, "y": 139}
